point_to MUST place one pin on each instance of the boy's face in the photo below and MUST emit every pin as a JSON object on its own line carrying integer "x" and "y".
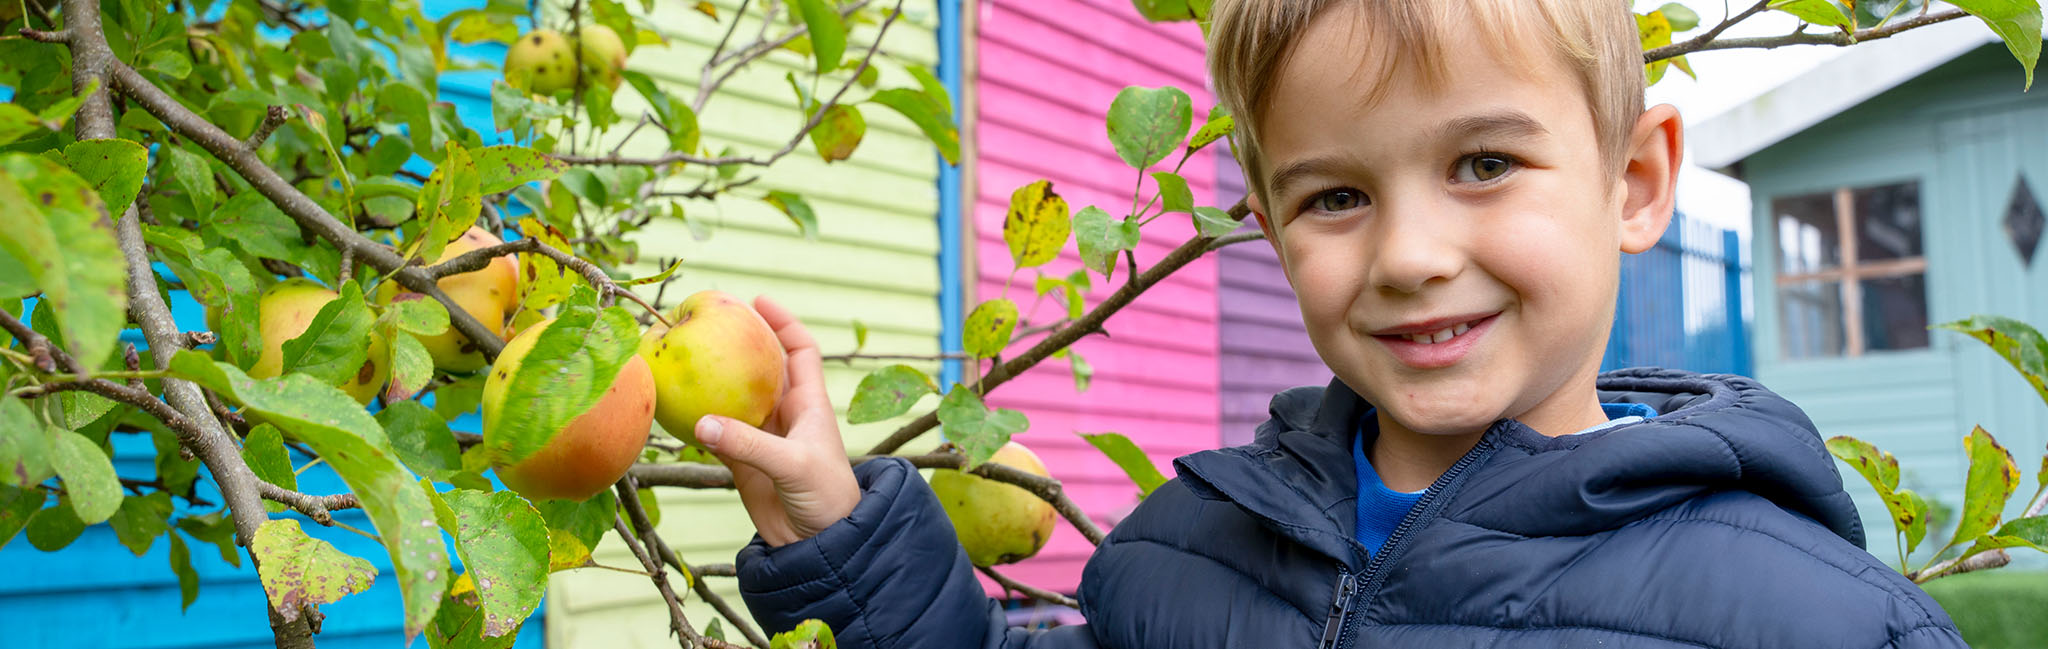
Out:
{"x": 1455, "y": 246}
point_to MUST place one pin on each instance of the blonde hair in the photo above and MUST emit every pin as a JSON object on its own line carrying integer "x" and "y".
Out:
{"x": 1251, "y": 41}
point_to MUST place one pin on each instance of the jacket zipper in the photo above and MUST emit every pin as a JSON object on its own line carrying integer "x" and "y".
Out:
{"x": 1334, "y": 630}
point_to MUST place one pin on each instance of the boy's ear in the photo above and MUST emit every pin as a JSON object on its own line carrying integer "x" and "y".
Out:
{"x": 1650, "y": 177}
{"x": 1258, "y": 209}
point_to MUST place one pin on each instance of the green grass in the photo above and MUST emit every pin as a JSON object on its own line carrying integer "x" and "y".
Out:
{"x": 1999, "y": 609}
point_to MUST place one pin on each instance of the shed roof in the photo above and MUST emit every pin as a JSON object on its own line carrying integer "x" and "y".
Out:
{"x": 1830, "y": 89}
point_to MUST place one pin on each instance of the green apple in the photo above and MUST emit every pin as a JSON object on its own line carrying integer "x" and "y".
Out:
{"x": 997, "y": 522}
{"x": 604, "y": 55}
{"x": 283, "y": 313}
{"x": 541, "y": 62}
{"x": 718, "y": 358}
{"x": 489, "y": 295}
{"x": 590, "y": 453}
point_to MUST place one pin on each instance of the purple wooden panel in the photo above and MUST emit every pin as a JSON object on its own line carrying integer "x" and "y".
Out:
{"x": 1264, "y": 348}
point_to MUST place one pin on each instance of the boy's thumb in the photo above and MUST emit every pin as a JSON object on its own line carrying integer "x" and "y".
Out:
{"x": 736, "y": 441}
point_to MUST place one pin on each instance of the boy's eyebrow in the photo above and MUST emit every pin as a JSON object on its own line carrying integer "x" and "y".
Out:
{"x": 1504, "y": 124}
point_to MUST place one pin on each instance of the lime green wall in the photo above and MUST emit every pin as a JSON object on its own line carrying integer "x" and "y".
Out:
{"x": 875, "y": 259}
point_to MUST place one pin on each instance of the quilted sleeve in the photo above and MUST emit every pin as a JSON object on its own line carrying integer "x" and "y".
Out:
{"x": 889, "y": 575}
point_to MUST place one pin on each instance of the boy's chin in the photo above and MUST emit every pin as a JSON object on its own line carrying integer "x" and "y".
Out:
{"x": 1462, "y": 418}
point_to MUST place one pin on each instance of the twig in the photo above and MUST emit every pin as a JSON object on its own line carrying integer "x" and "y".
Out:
{"x": 1837, "y": 38}
{"x": 481, "y": 257}
{"x": 197, "y": 338}
{"x": 273, "y": 117}
{"x": 46, "y": 357}
{"x": 849, "y": 358}
{"x": 761, "y": 47}
{"x": 1091, "y": 321}
{"x": 314, "y": 507}
{"x": 1959, "y": 565}
{"x": 1030, "y": 591}
{"x": 348, "y": 266}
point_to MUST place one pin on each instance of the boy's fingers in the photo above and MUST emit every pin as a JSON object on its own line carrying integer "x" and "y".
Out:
{"x": 735, "y": 441}
{"x": 806, "y": 370}
{"x": 787, "y": 328}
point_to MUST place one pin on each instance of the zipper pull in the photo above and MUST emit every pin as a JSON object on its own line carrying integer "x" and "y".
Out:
{"x": 1346, "y": 584}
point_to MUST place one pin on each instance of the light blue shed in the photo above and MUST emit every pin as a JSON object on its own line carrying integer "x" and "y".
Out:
{"x": 1896, "y": 187}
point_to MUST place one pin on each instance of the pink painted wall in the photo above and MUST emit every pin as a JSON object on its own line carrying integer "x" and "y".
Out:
{"x": 1047, "y": 72}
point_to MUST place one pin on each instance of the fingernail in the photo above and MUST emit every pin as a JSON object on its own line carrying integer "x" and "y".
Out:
{"x": 709, "y": 430}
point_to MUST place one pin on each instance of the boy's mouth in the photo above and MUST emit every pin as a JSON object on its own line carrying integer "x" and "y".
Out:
{"x": 1435, "y": 343}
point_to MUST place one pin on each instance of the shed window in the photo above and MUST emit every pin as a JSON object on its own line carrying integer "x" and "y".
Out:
{"x": 1851, "y": 271}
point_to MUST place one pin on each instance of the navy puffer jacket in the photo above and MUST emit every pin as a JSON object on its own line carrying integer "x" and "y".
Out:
{"x": 1721, "y": 523}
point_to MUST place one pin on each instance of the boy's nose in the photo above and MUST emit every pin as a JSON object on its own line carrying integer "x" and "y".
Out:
{"x": 1412, "y": 248}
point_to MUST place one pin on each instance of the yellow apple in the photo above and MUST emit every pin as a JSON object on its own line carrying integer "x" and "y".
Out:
{"x": 283, "y": 313}
{"x": 489, "y": 295}
{"x": 594, "y": 450}
{"x": 997, "y": 522}
{"x": 718, "y": 358}
{"x": 604, "y": 55}
{"x": 540, "y": 62}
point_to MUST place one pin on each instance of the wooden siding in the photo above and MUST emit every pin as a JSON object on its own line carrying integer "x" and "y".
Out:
{"x": 1048, "y": 71}
{"x": 874, "y": 259}
{"x": 1264, "y": 346}
{"x": 1966, "y": 133}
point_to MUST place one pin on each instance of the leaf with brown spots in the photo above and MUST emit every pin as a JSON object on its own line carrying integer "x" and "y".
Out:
{"x": 542, "y": 282}
{"x": 299, "y": 571}
{"x": 839, "y": 132}
{"x": 989, "y": 327}
{"x": 2017, "y": 342}
{"x": 57, "y": 230}
{"x": 1037, "y": 225}
{"x": 504, "y": 548}
{"x": 503, "y": 167}
{"x": 888, "y": 392}
{"x": 1993, "y": 477}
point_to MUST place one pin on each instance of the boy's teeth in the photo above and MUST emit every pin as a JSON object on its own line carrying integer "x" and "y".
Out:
{"x": 1441, "y": 335}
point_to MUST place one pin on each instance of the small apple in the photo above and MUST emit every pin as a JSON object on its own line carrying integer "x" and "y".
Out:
{"x": 283, "y": 313}
{"x": 540, "y": 62}
{"x": 594, "y": 450}
{"x": 997, "y": 522}
{"x": 604, "y": 54}
{"x": 718, "y": 358}
{"x": 489, "y": 295}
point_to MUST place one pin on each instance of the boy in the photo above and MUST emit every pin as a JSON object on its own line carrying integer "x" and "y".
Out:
{"x": 1449, "y": 186}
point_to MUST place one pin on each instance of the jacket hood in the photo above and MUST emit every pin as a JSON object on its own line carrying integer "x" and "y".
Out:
{"x": 1713, "y": 432}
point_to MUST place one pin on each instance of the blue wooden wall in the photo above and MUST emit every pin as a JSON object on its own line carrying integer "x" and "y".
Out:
{"x": 96, "y": 594}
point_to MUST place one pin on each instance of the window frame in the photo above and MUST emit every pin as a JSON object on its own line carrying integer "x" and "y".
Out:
{"x": 1850, "y": 273}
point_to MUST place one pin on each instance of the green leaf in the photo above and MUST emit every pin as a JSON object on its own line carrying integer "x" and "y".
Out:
{"x": 1101, "y": 238}
{"x": 930, "y": 114}
{"x": 217, "y": 530}
{"x": 1993, "y": 477}
{"x": 1145, "y": 124}
{"x": 1219, "y": 126}
{"x": 114, "y": 168}
{"x": 411, "y": 367}
{"x": 2029, "y": 532}
{"x": 449, "y": 202}
{"x": 16, "y": 121}
{"x": 88, "y": 476}
{"x": 544, "y": 282}
{"x": 266, "y": 456}
{"x": 220, "y": 281}
{"x": 1212, "y": 222}
{"x": 334, "y": 346}
{"x": 1682, "y": 18}
{"x": 1174, "y": 189}
{"x": 1037, "y": 225}
{"x": 1818, "y": 12}
{"x": 2015, "y": 341}
{"x": 299, "y": 571}
{"x": 141, "y": 519}
{"x": 1083, "y": 372}
{"x": 24, "y": 445}
{"x": 798, "y": 211}
{"x": 346, "y": 437}
{"x": 17, "y": 505}
{"x": 1130, "y": 458}
{"x": 1909, "y": 514}
{"x": 2017, "y": 22}
{"x": 860, "y": 341}
{"x": 56, "y": 230}
{"x": 504, "y": 547}
{"x": 656, "y": 278}
{"x": 571, "y": 364}
{"x": 317, "y": 123}
{"x": 576, "y": 526}
{"x": 839, "y": 132}
{"x": 501, "y": 168}
{"x": 969, "y": 424}
{"x": 827, "y": 32}
{"x": 1876, "y": 466}
{"x": 54, "y": 527}
{"x": 422, "y": 439}
{"x": 459, "y": 398}
{"x": 188, "y": 579}
{"x": 810, "y": 634}
{"x": 421, "y": 316}
{"x": 988, "y": 327}
{"x": 190, "y": 174}
{"x": 888, "y": 392}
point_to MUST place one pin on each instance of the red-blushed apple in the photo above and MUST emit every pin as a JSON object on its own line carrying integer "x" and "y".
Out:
{"x": 283, "y": 313}
{"x": 997, "y": 522}
{"x": 590, "y": 453}
{"x": 718, "y": 358}
{"x": 488, "y": 294}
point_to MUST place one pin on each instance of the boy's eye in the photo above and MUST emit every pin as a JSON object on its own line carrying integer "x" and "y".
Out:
{"x": 1337, "y": 200}
{"x": 1482, "y": 168}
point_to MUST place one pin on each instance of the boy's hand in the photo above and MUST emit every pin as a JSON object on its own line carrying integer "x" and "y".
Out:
{"x": 793, "y": 478}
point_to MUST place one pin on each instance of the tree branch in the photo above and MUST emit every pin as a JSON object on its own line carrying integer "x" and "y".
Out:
{"x": 1959, "y": 565}
{"x": 1030, "y": 591}
{"x": 1711, "y": 41}
{"x": 314, "y": 507}
{"x": 308, "y": 214}
{"x": 646, "y": 538}
{"x": 481, "y": 257}
{"x": 273, "y": 117}
{"x": 45, "y": 356}
{"x": 1089, "y": 322}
